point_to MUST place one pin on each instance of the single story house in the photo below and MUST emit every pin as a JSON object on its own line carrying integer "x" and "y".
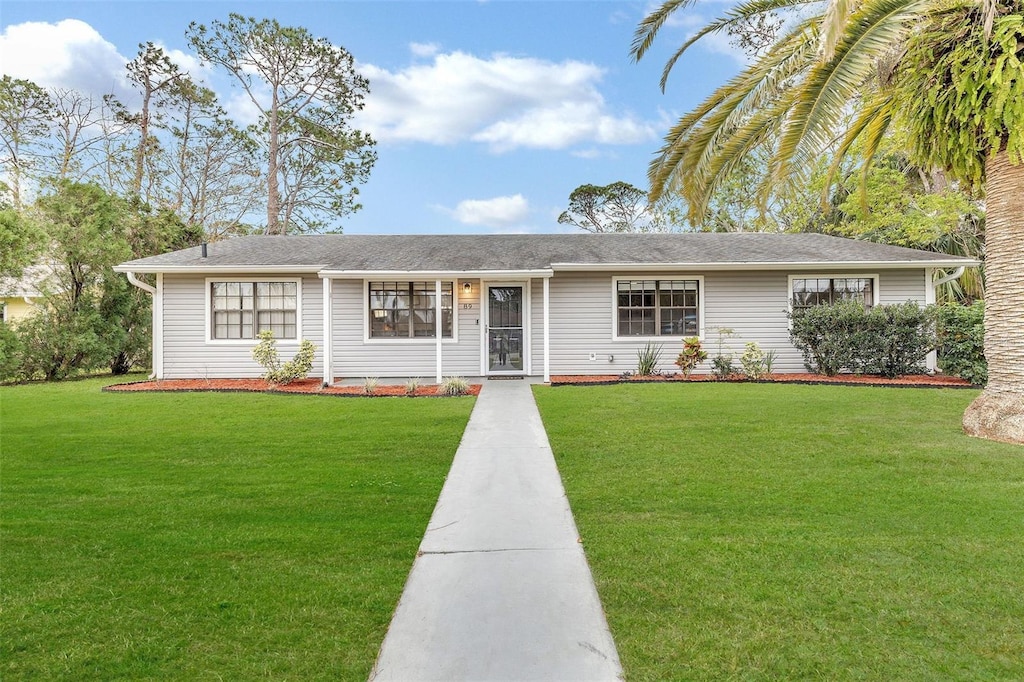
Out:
{"x": 20, "y": 297}
{"x": 487, "y": 305}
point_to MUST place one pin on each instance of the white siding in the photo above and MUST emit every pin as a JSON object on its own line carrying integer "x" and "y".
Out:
{"x": 189, "y": 354}
{"x": 355, "y": 356}
{"x": 753, "y": 304}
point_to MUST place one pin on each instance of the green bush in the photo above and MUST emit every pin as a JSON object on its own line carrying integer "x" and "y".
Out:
{"x": 894, "y": 340}
{"x": 265, "y": 353}
{"x": 961, "y": 332}
{"x": 824, "y": 335}
{"x": 754, "y": 361}
{"x": 890, "y": 340}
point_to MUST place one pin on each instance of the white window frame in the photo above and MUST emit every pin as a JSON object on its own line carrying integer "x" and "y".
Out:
{"x": 875, "y": 294}
{"x": 411, "y": 340}
{"x": 659, "y": 277}
{"x": 208, "y": 294}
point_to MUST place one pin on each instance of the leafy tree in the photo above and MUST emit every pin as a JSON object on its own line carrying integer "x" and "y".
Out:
{"x": 212, "y": 166}
{"x": 306, "y": 91}
{"x": 948, "y": 73}
{"x": 91, "y": 316}
{"x": 154, "y": 74}
{"x": 20, "y": 242}
{"x": 618, "y": 207}
{"x": 24, "y": 123}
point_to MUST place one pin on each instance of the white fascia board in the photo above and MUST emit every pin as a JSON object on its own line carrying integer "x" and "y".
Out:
{"x": 214, "y": 270}
{"x": 740, "y": 265}
{"x": 435, "y": 274}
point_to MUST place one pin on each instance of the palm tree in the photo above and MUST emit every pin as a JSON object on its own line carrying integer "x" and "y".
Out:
{"x": 948, "y": 74}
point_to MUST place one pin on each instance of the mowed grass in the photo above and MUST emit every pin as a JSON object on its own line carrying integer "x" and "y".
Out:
{"x": 209, "y": 536}
{"x": 767, "y": 532}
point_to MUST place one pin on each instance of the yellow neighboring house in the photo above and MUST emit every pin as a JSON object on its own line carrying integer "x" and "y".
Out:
{"x": 20, "y": 296}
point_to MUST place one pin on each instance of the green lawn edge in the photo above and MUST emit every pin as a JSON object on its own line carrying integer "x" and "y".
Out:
{"x": 766, "y": 532}
{"x": 209, "y": 536}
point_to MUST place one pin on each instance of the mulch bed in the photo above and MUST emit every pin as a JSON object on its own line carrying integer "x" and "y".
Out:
{"x": 907, "y": 381}
{"x": 303, "y": 386}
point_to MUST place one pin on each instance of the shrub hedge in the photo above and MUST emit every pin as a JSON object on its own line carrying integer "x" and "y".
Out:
{"x": 890, "y": 340}
{"x": 961, "y": 332}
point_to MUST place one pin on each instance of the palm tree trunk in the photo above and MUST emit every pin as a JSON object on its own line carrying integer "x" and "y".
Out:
{"x": 998, "y": 413}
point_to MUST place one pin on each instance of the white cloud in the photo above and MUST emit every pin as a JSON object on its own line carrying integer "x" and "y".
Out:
{"x": 499, "y": 212}
{"x": 67, "y": 54}
{"x": 424, "y": 49}
{"x": 505, "y": 102}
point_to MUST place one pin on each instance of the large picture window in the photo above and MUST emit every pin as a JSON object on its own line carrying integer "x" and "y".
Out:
{"x": 658, "y": 307}
{"x": 407, "y": 310}
{"x": 241, "y": 310}
{"x": 811, "y": 291}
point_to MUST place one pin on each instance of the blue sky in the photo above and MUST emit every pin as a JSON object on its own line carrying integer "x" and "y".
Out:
{"x": 487, "y": 114}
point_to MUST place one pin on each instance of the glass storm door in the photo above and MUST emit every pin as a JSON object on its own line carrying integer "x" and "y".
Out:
{"x": 504, "y": 329}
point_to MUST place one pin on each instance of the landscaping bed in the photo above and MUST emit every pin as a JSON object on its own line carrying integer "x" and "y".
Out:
{"x": 307, "y": 386}
{"x": 909, "y": 380}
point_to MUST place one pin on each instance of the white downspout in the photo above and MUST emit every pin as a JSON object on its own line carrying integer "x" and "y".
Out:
{"x": 328, "y": 339}
{"x": 547, "y": 330}
{"x": 437, "y": 323}
{"x": 949, "y": 278}
{"x": 930, "y": 296}
{"x": 155, "y": 311}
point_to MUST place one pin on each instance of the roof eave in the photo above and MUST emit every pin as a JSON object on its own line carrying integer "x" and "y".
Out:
{"x": 743, "y": 265}
{"x": 436, "y": 274}
{"x": 216, "y": 269}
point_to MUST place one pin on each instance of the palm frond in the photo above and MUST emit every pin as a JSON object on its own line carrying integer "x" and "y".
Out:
{"x": 742, "y": 12}
{"x": 648, "y": 29}
{"x": 830, "y": 86}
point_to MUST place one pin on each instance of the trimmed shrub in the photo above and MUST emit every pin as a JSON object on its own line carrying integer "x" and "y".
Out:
{"x": 895, "y": 340}
{"x": 753, "y": 361}
{"x": 961, "y": 332}
{"x": 890, "y": 340}
{"x": 299, "y": 367}
{"x": 824, "y": 335}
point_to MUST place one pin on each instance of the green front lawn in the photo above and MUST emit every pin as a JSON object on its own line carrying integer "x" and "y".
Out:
{"x": 770, "y": 532}
{"x": 209, "y": 536}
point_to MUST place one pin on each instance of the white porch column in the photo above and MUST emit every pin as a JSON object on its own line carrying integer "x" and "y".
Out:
{"x": 158, "y": 327}
{"x": 547, "y": 329}
{"x": 932, "y": 360}
{"x": 437, "y": 322}
{"x": 328, "y": 332}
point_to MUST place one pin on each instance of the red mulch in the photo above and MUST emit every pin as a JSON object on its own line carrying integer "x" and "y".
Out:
{"x": 307, "y": 386}
{"x": 910, "y": 380}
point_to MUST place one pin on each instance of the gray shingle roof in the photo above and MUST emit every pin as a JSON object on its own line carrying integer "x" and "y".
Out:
{"x": 468, "y": 253}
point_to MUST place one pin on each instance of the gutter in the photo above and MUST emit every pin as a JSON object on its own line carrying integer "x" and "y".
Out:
{"x": 152, "y": 292}
{"x": 765, "y": 265}
{"x": 949, "y": 278}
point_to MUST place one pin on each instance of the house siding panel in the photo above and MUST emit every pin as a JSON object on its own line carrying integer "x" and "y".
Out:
{"x": 753, "y": 304}
{"x": 354, "y": 356}
{"x": 188, "y": 354}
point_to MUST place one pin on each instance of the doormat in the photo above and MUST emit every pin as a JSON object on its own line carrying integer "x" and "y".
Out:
{"x": 499, "y": 378}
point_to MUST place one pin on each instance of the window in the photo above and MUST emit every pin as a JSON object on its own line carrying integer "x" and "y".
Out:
{"x": 651, "y": 307}
{"x": 406, "y": 310}
{"x": 813, "y": 291}
{"x": 240, "y": 310}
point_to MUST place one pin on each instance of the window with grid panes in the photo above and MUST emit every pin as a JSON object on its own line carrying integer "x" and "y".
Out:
{"x": 813, "y": 291}
{"x": 407, "y": 310}
{"x": 650, "y": 307}
{"x": 241, "y": 310}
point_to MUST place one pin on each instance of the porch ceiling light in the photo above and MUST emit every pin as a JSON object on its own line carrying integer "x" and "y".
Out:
{"x": 467, "y": 288}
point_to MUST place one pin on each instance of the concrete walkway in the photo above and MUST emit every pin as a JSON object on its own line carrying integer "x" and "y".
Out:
{"x": 501, "y": 589}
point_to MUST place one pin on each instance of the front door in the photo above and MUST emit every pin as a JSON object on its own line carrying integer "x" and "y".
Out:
{"x": 505, "y": 347}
